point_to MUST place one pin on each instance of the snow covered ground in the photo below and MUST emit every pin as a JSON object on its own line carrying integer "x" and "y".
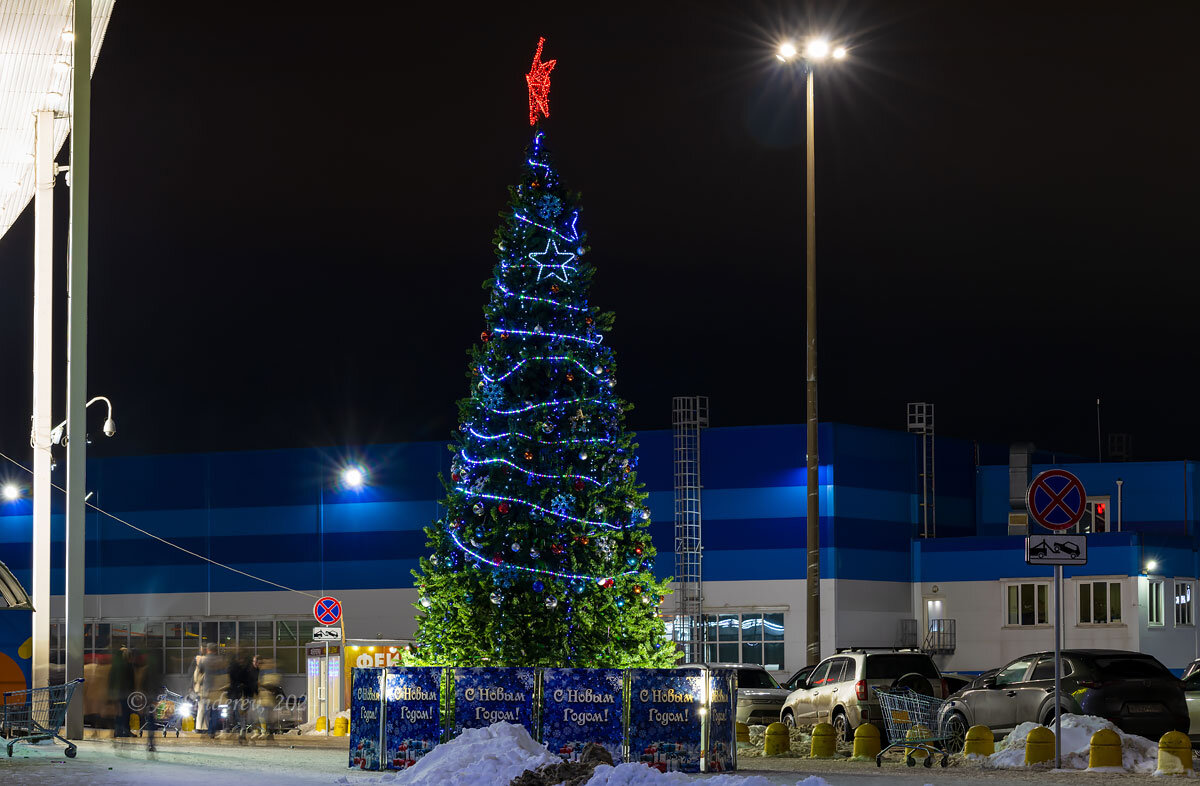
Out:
{"x": 492, "y": 756}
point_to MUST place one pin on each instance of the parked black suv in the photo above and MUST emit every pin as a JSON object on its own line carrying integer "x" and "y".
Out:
{"x": 1131, "y": 689}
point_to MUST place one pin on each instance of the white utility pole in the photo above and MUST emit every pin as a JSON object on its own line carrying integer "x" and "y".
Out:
{"x": 43, "y": 360}
{"x": 81, "y": 119}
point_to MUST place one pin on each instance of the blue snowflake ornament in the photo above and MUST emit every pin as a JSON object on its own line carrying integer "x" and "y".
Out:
{"x": 562, "y": 504}
{"x": 492, "y": 396}
{"x": 549, "y": 206}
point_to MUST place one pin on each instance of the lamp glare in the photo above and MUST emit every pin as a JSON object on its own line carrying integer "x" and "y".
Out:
{"x": 352, "y": 477}
{"x": 817, "y": 48}
{"x": 787, "y": 51}
{"x": 1151, "y": 566}
{"x": 11, "y": 492}
{"x": 839, "y": 52}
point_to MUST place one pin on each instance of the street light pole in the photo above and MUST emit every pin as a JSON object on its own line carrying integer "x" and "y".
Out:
{"x": 817, "y": 49}
{"x": 813, "y": 513}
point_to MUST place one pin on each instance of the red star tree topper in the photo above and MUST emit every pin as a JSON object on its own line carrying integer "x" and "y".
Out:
{"x": 538, "y": 80}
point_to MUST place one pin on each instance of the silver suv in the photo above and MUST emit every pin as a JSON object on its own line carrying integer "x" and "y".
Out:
{"x": 839, "y": 690}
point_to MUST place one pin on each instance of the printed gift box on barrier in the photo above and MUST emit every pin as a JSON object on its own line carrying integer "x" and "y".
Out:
{"x": 581, "y": 706}
{"x": 665, "y": 722}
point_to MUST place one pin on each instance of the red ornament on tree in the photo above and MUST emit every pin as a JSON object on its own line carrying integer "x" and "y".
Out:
{"x": 579, "y": 485}
{"x": 484, "y": 336}
{"x": 608, "y": 583}
{"x": 638, "y": 551}
{"x": 557, "y": 548}
{"x": 529, "y": 455}
{"x": 502, "y": 507}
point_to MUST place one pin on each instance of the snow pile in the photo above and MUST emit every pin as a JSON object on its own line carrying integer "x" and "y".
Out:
{"x": 491, "y": 755}
{"x": 640, "y": 775}
{"x": 1138, "y": 754}
{"x": 311, "y": 726}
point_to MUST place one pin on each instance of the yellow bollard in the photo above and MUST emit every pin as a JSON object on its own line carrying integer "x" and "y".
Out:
{"x": 917, "y": 732}
{"x": 1104, "y": 750}
{"x": 322, "y": 723}
{"x": 866, "y": 741}
{"x": 135, "y": 721}
{"x": 340, "y": 726}
{"x": 776, "y": 740}
{"x": 979, "y": 740}
{"x": 743, "y": 732}
{"x": 1174, "y": 753}
{"x": 1039, "y": 745}
{"x": 189, "y": 724}
{"x": 824, "y": 742}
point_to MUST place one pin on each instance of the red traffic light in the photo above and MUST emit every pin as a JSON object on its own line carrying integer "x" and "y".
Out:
{"x": 1100, "y": 509}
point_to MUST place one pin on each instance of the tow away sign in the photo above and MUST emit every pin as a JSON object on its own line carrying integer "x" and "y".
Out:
{"x": 1056, "y": 550}
{"x": 327, "y": 634}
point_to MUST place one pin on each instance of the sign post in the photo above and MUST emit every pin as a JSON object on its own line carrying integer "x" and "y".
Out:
{"x": 328, "y": 611}
{"x": 1056, "y": 500}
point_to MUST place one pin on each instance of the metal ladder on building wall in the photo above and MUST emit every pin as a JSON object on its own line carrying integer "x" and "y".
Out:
{"x": 689, "y": 414}
{"x": 920, "y": 422}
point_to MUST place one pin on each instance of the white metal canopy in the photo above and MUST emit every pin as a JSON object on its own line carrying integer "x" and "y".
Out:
{"x": 35, "y": 74}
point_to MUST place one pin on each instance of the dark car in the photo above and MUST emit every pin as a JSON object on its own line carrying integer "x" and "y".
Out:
{"x": 1131, "y": 689}
{"x": 798, "y": 680}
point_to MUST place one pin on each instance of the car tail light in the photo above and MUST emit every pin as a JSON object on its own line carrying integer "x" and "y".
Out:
{"x": 860, "y": 690}
{"x": 945, "y": 688}
{"x": 1090, "y": 683}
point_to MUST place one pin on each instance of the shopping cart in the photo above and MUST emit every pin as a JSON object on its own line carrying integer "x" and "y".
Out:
{"x": 913, "y": 723}
{"x": 168, "y": 713}
{"x": 36, "y": 714}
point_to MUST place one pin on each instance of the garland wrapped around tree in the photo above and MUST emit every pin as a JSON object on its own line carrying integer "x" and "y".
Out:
{"x": 542, "y": 556}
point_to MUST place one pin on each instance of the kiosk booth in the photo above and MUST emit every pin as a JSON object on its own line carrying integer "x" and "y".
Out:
{"x": 329, "y": 670}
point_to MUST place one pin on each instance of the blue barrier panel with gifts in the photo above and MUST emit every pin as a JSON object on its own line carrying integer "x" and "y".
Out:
{"x": 722, "y": 714}
{"x": 485, "y": 695}
{"x": 366, "y": 718}
{"x": 665, "y": 718}
{"x": 581, "y": 706}
{"x": 412, "y": 715}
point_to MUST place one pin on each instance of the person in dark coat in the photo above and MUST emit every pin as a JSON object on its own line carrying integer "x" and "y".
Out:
{"x": 120, "y": 686}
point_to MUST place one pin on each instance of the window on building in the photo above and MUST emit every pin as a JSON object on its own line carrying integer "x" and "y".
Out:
{"x": 1183, "y": 602}
{"x": 1099, "y": 602}
{"x": 1154, "y": 602}
{"x": 178, "y": 642}
{"x": 1095, "y": 516}
{"x": 744, "y": 638}
{"x": 1026, "y": 604}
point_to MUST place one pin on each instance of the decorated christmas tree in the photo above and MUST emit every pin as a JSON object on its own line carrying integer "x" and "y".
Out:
{"x": 542, "y": 556}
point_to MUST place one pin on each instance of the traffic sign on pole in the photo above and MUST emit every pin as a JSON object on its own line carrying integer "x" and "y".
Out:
{"x": 1056, "y": 499}
{"x": 327, "y": 611}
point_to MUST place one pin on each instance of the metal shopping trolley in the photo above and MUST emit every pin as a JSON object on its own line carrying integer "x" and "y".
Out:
{"x": 37, "y": 714}
{"x": 167, "y": 713}
{"x": 913, "y": 723}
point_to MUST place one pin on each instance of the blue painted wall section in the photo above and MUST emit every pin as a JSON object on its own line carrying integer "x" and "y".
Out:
{"x": 282, "y": 515}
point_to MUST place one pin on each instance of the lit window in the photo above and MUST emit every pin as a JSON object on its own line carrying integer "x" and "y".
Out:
{"x": 1183, "y": 603}
{"x": 744, "y": 638}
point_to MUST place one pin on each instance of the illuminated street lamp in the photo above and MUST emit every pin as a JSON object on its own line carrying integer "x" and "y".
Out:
{"x": 353, "y": 478}
{"x": 11, "y": 492}
{"x": 815, "y": 50}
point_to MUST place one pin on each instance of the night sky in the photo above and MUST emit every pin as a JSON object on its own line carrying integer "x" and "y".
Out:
{"x": 292, "y": 209}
